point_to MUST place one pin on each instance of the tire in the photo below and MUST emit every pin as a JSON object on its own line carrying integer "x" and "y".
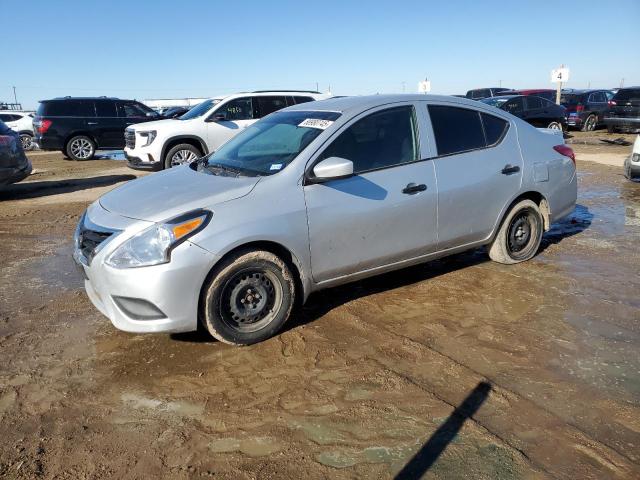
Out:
{"x": 555, "y": 126}
{"x": 80, "y": 147}
{"x": 26, "y": 139}
{"x": 248, "y": 298}
{"x": 181, "y": 154}
{"x": 520, "y": 234}
{"x": 590, "y": 123}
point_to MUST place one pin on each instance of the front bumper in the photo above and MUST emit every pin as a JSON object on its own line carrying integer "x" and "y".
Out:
{"x": 138, "y": 164}
{"x": 173, "y": 288}
{"x": 632, "y": 167}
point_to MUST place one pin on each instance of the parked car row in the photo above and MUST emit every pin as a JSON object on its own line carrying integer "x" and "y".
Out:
{"x": 584, "y": 109}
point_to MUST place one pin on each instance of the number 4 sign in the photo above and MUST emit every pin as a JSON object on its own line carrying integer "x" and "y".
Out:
{"x": 559, "y": 75}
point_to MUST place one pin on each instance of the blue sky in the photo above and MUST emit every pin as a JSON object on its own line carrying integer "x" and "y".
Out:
{"x": 164, "y": 49}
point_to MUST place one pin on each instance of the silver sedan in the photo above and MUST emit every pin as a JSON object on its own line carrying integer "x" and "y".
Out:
{"x": 316, "y": 195}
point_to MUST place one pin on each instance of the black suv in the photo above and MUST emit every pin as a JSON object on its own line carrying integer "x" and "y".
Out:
{"x": 585, "y": 108}
{"x": 80, "y": 126}
{"x": 624, "y": 111}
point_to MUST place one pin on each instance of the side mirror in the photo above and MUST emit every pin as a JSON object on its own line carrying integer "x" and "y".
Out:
{"x": 219, "y": 117}
{"x": 333, "y": 168}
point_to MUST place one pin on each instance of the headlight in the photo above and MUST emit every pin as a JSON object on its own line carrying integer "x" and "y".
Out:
{"x": 150, "y": 136}
{"x": 153, "y": 245}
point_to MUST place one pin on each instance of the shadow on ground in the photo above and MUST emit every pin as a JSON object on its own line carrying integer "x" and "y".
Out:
{"x": 19, "y": 191}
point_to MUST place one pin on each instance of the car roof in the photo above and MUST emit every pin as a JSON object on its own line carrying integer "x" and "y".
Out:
{"x": 579, "y": 91}
{"x": 365, "y": 102}
{"x": 58, "y": 99}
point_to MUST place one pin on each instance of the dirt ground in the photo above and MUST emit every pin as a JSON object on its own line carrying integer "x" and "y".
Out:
{"x": 459, "y": 368}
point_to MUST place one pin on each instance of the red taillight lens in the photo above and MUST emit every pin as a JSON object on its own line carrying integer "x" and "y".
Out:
{"x": 566, "y": 151}
{"x": 44, "y": 126}
{"x": 612, "y": 103}
{"x": 580, "y": 108}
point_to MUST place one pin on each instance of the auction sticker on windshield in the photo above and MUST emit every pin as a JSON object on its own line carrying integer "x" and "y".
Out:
{"x": 316, "y": 123}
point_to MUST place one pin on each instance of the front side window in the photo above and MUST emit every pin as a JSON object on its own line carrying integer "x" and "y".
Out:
{"x": 515, "y": 106}
{"x": 267, "y": 146}
{"x": 382, "y": 139}
{"x": 238, "y": 109}
{"x": 131, "y": 109}
{"x": 267, "y": 105}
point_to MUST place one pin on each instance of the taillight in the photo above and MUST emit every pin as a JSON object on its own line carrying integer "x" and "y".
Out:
{"x": 566, "y": 151}
{"x": 612, "y": 103}
{"x": 580, "y": 108}
{"x": 43, "y": 126}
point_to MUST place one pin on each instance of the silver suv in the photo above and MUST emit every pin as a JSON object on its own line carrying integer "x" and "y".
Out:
{"x": 317, "y": 195}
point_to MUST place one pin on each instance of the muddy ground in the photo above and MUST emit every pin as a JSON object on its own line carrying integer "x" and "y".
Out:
{"x": 459, "y": 368}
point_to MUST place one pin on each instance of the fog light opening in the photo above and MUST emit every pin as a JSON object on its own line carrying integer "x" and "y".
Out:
{"x": 138, "y": 309}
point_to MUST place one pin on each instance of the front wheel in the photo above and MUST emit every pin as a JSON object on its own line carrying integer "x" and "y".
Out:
{"x": 520, "y": 234}
{"x": 180, "y": 155}
{"x": 249, "y": 297}
{"x": 80, "y": 148}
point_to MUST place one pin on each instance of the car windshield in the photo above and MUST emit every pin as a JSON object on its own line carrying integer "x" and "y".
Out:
{"x": 495, "y": 101}
{"x": 200, "y": 109}
{"x": 268, "y": 146}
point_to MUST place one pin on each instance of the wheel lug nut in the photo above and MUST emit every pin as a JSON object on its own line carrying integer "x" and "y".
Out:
{"x": 242, "y": 300}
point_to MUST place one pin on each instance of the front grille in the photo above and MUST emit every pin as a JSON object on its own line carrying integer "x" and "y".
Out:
{"x": 90, "y": 240}
{"x": 130, "y": 139}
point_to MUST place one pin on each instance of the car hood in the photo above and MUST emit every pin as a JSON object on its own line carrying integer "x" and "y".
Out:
{"x": 164, "y": 195}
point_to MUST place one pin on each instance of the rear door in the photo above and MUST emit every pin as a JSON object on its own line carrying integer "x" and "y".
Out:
{"x": 383, "y": 214}
{"x": 479, "y": 169}
{"x": 107, "y": 125}
{"x": 534, "y": 112}
{"x": 598, "y": 103}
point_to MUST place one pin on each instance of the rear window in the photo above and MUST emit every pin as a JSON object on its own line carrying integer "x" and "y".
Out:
{"x": 67, "y": 108}
{"x": 627, "y": 95}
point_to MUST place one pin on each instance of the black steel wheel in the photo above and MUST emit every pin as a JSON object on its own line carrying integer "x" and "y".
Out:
{"x": 520, "y": 234}
{"x": 248, "y": 297}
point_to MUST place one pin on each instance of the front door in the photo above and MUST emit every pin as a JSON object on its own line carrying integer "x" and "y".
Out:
{"x": 383, "y": 214}
{"x": 228, "y": 120}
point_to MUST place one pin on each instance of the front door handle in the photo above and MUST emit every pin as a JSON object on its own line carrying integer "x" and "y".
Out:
{"x": 510, "y": 169}
{"x": 92, "y": 123}
{"x": 412, "y": 188}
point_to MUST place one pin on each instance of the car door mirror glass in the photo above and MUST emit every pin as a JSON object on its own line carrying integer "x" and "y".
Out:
{"x": 333, "y": 168}
{"x": 219, "y": 117}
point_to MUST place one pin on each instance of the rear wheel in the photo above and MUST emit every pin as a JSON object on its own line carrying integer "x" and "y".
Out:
{"x": 555, "y": 126}
{"x": 249, "y": 297}
{"x": 590, "y": 123}
{"x": 80, "y": 148}
{"x": 181, "y": 154}
{"x": 520, "y": 234}
{"x": 26, "y": 139}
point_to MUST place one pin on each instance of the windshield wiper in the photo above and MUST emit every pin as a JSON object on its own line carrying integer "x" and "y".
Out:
{"x": 223, "y": 168}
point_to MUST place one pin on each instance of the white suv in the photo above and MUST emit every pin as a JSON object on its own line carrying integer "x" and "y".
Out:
{"x": 167, "y": 143}
{"x": 21, "y": 123}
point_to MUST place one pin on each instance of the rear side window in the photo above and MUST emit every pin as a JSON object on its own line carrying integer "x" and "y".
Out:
{"x": 67, "y": 108}
{"x": 382, "y": 139}
{"x": 267, "y": 105}
{"x": 494, "y": 128}
{"x": 533, "y": 102}
{"x": 8, "y": 118}
{"x": 106, "y": 109}
{"x": 456, "y": 129}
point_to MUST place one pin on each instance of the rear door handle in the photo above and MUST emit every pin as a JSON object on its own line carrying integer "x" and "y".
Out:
{"x": 510, "y": 169}
{"x": 92, "y": 123}
{"x": 412, "y": 188}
